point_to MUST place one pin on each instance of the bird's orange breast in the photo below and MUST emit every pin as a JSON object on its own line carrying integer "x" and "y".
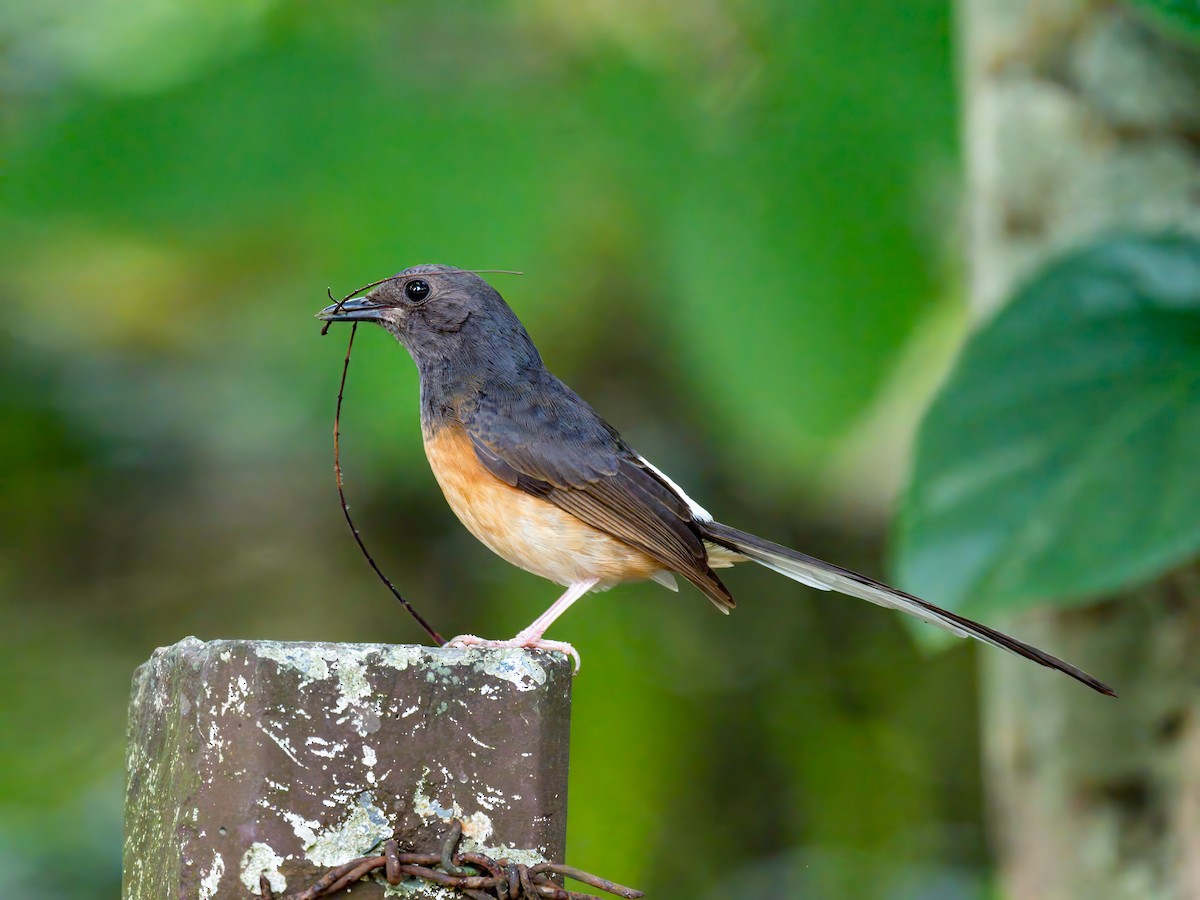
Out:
{"x": 527, "y": 531}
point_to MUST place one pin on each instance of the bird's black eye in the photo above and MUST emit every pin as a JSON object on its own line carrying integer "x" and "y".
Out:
{"x": 417, "y": 290}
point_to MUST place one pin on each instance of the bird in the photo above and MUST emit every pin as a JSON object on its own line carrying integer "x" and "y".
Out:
{"x": 546, "y": 483}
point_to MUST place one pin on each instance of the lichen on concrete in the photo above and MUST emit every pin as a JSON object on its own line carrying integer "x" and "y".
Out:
{"x": 306, "y": 659}
{"x": 261, "y": 860}
{"x": 211, "y": 880}
{"x": 366, "y": 827}
{"x": 520, "y": 669}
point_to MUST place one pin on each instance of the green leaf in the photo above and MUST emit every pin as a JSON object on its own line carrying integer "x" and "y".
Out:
{"x": 1178, "y": 15}
{"x": 1062, "y": 457}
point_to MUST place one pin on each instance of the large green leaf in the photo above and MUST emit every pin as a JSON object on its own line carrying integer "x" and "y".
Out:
{"x": 1062, "y": 457}
{"x": 1181, "y": 16}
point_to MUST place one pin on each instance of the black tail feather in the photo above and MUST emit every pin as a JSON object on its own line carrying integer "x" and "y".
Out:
{"x": 813, "y": 571}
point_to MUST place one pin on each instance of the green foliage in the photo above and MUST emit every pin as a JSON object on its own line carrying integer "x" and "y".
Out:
{"x": 793, "y": 239}
{"x": 1180, "y": 16}
{"x": 1060, "y": 458}
{"x": 775, "y": 181}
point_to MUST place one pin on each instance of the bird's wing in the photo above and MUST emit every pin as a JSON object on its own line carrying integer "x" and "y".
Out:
{"x": 545, "y": 440}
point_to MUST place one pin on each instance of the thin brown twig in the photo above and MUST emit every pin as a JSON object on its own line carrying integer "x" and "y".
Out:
{"x": 339, "y": 304}
{"x": 337, "y": 469}
{"x": 337, "y": 417}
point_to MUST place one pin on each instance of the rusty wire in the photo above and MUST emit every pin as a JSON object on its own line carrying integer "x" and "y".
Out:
{"x": 474, "y": 875}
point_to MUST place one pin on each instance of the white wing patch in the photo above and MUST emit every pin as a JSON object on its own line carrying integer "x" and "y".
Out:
{"x": 699, "y": 513}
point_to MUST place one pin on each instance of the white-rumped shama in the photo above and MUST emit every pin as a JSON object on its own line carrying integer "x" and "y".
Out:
{"x": 539, "y": 477}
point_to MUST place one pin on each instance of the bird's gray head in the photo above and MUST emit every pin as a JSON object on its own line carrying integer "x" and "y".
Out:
{"x": 440, "y": 314}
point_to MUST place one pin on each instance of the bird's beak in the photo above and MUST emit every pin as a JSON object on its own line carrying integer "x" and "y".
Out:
{"x": 360, "y": 309}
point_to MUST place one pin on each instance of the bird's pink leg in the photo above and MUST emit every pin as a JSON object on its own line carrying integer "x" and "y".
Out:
{"x": 531, "y": 637}
{"x": 539, "y": 625}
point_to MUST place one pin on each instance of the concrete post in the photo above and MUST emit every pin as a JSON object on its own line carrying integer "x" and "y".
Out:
{"x": 247, "y": 757}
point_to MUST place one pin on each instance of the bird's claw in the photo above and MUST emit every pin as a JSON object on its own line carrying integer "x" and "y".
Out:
{"x": 520, "y": 642}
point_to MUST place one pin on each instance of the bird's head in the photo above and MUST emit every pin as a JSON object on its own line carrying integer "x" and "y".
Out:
{"x": 434, "y": 311}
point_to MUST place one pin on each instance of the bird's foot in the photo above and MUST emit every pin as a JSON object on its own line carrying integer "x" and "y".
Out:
{"x": 520, "y": 642}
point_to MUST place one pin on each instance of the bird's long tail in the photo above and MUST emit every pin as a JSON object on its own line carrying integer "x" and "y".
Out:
{"x": 828, "y": 577}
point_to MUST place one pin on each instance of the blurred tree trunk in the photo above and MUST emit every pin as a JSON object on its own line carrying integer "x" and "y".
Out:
{"x": 1082, "y": 119}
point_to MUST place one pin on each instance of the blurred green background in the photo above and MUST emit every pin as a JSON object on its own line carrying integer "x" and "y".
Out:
{"x": 737, "y": 221}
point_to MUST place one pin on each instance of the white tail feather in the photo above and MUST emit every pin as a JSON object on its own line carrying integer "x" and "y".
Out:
{"x": 667, "y": 580}
{"x": 823, "y": 579}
